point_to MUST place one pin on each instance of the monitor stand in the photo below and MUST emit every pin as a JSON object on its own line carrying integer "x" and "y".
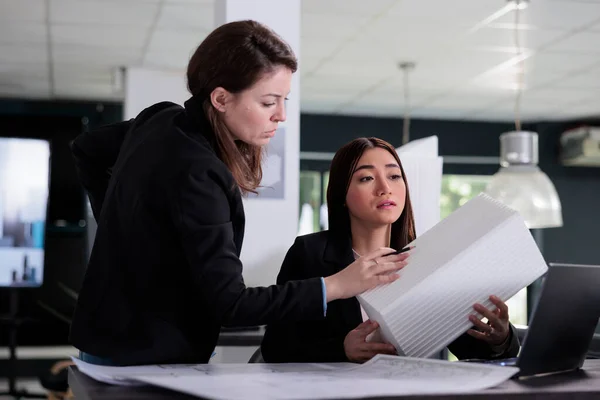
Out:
{"x": 13, "y": 321}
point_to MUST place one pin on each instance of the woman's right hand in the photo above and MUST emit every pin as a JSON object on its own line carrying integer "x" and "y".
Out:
{"x": 358, "y": 349}
{"x": 365, "y": 273}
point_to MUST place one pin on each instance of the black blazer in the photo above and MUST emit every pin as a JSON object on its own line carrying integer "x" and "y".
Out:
{"x": 322, "y": 254}
{"x": 164, "y": 273}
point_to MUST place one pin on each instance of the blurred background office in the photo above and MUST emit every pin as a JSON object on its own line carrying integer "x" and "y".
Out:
{"x": 466, "y": 71}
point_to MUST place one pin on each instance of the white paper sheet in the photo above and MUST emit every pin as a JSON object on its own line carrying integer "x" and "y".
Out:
{"x": 114, "y": 375}
{"x": 484, "y": 248}
{"x": 123, "y": 376}
{"x": 423, "y": 168}
{"x": 383, "y": 375}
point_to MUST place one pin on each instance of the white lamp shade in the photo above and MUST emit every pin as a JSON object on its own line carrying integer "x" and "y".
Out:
{"x": 526, "y": 189}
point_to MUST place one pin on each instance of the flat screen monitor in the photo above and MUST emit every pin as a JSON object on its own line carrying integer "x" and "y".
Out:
{"x": 24, "y": 189}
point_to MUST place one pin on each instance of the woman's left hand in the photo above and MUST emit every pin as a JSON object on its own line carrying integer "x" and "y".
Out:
{"x": 497, "y": 329}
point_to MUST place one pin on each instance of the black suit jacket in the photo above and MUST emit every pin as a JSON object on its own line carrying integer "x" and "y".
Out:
{"x": 164, "y": 273}
{"x": 323, "y": 254}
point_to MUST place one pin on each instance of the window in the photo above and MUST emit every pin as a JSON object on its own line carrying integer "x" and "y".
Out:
{"x": 310, "y": 202}
{"x": 324, "y": 216}
{"x": 458, "y": 189}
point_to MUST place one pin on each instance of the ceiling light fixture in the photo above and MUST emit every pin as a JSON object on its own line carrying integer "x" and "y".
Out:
{"x": 520, "y": 183}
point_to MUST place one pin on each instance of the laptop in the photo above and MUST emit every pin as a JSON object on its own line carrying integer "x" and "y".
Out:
{"x": 563, "y": 321}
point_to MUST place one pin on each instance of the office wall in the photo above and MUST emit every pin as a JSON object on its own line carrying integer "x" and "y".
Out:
{"x": 330, "y": 132}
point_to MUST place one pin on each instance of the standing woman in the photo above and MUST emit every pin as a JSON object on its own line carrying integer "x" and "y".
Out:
{"x": 166, "y": 189}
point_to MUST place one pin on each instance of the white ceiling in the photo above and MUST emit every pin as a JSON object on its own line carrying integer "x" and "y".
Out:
{"x": 464, "y": 51}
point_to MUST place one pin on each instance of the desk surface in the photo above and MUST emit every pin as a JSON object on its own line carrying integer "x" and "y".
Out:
{"x": 584, "y": 384}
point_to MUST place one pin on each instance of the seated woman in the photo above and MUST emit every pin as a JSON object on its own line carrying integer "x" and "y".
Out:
{"x": 369, "y": 208}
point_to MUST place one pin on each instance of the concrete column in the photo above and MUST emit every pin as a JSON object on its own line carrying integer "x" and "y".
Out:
{"x": 272, "y": 216}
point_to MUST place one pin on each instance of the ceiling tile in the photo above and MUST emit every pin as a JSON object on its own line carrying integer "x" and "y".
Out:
{"x": 317, "y": 107}
{"x": 423, "y": 83}
{"x": 595, "y": 27}
{"x": 167, "y": 40}
{"x": 188, "y": 1}
{"x": 312, "y": 47}
{"x": 175, "y": 59}
{"x": 582, "y": 42}
{"x": 465, "y": 100}
{"x": 555, "y": 14}
{"x": 463, "y": 12}
{"x": 23, "y": 10}
{"x": 556, "y": 96}
{"x": 98, "y": 35}
{"x": 102, "y": 12}
{"x": 521, "y": 27}
{"x": 29, "y": 53}
{"x": 325, "y": 99}
{"x": 15, "y": 72}
{"x": 561, "y": 62}
{"x": 531, "y": 106}
{"x": 187, "y": 15}
{"x": 17, "y": 33}
{"x": 438, "y": 113}
{"x": 308, "y": 64}
{"x": 389, "y": 97}
{"x": 142, "y": 1}
{"x": 324, "y": 95}
{"x": 492, "y": 115}
{"x": 348, "y": 7}
{"x": 90, "y": 56}
{"x": 387, "y": 36}
{"x": 96, "y": 81}
{"x": 332, "y": 84}
{"x": 65, "y": 73}
{"x": 27, "y": 86}
{"x": 449, "y": 69}
{"x": 370, "y": 109}
{"x": 489, "y": 38}
{"x": 341, "y": 26}
{"x": 85, "y": 91}
{"x": 366, "y": 70}
{"x": 589, "y": 108}
{"x": 348, "y": 57}
{"x": 587, "y": 80}
{"x": 509, "y": 80}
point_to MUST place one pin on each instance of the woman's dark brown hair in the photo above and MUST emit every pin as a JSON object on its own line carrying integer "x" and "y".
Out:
{"x": 235, "y": 56}
{"x": 342, "y": 169}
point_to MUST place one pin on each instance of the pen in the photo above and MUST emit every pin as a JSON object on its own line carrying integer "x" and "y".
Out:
{"x": 401, "y": 250}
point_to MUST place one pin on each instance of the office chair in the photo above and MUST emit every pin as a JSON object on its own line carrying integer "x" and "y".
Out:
{"x": 256, "y": 357}
{"x": 594, "y": 351}
{"x": 521, "y": 332}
